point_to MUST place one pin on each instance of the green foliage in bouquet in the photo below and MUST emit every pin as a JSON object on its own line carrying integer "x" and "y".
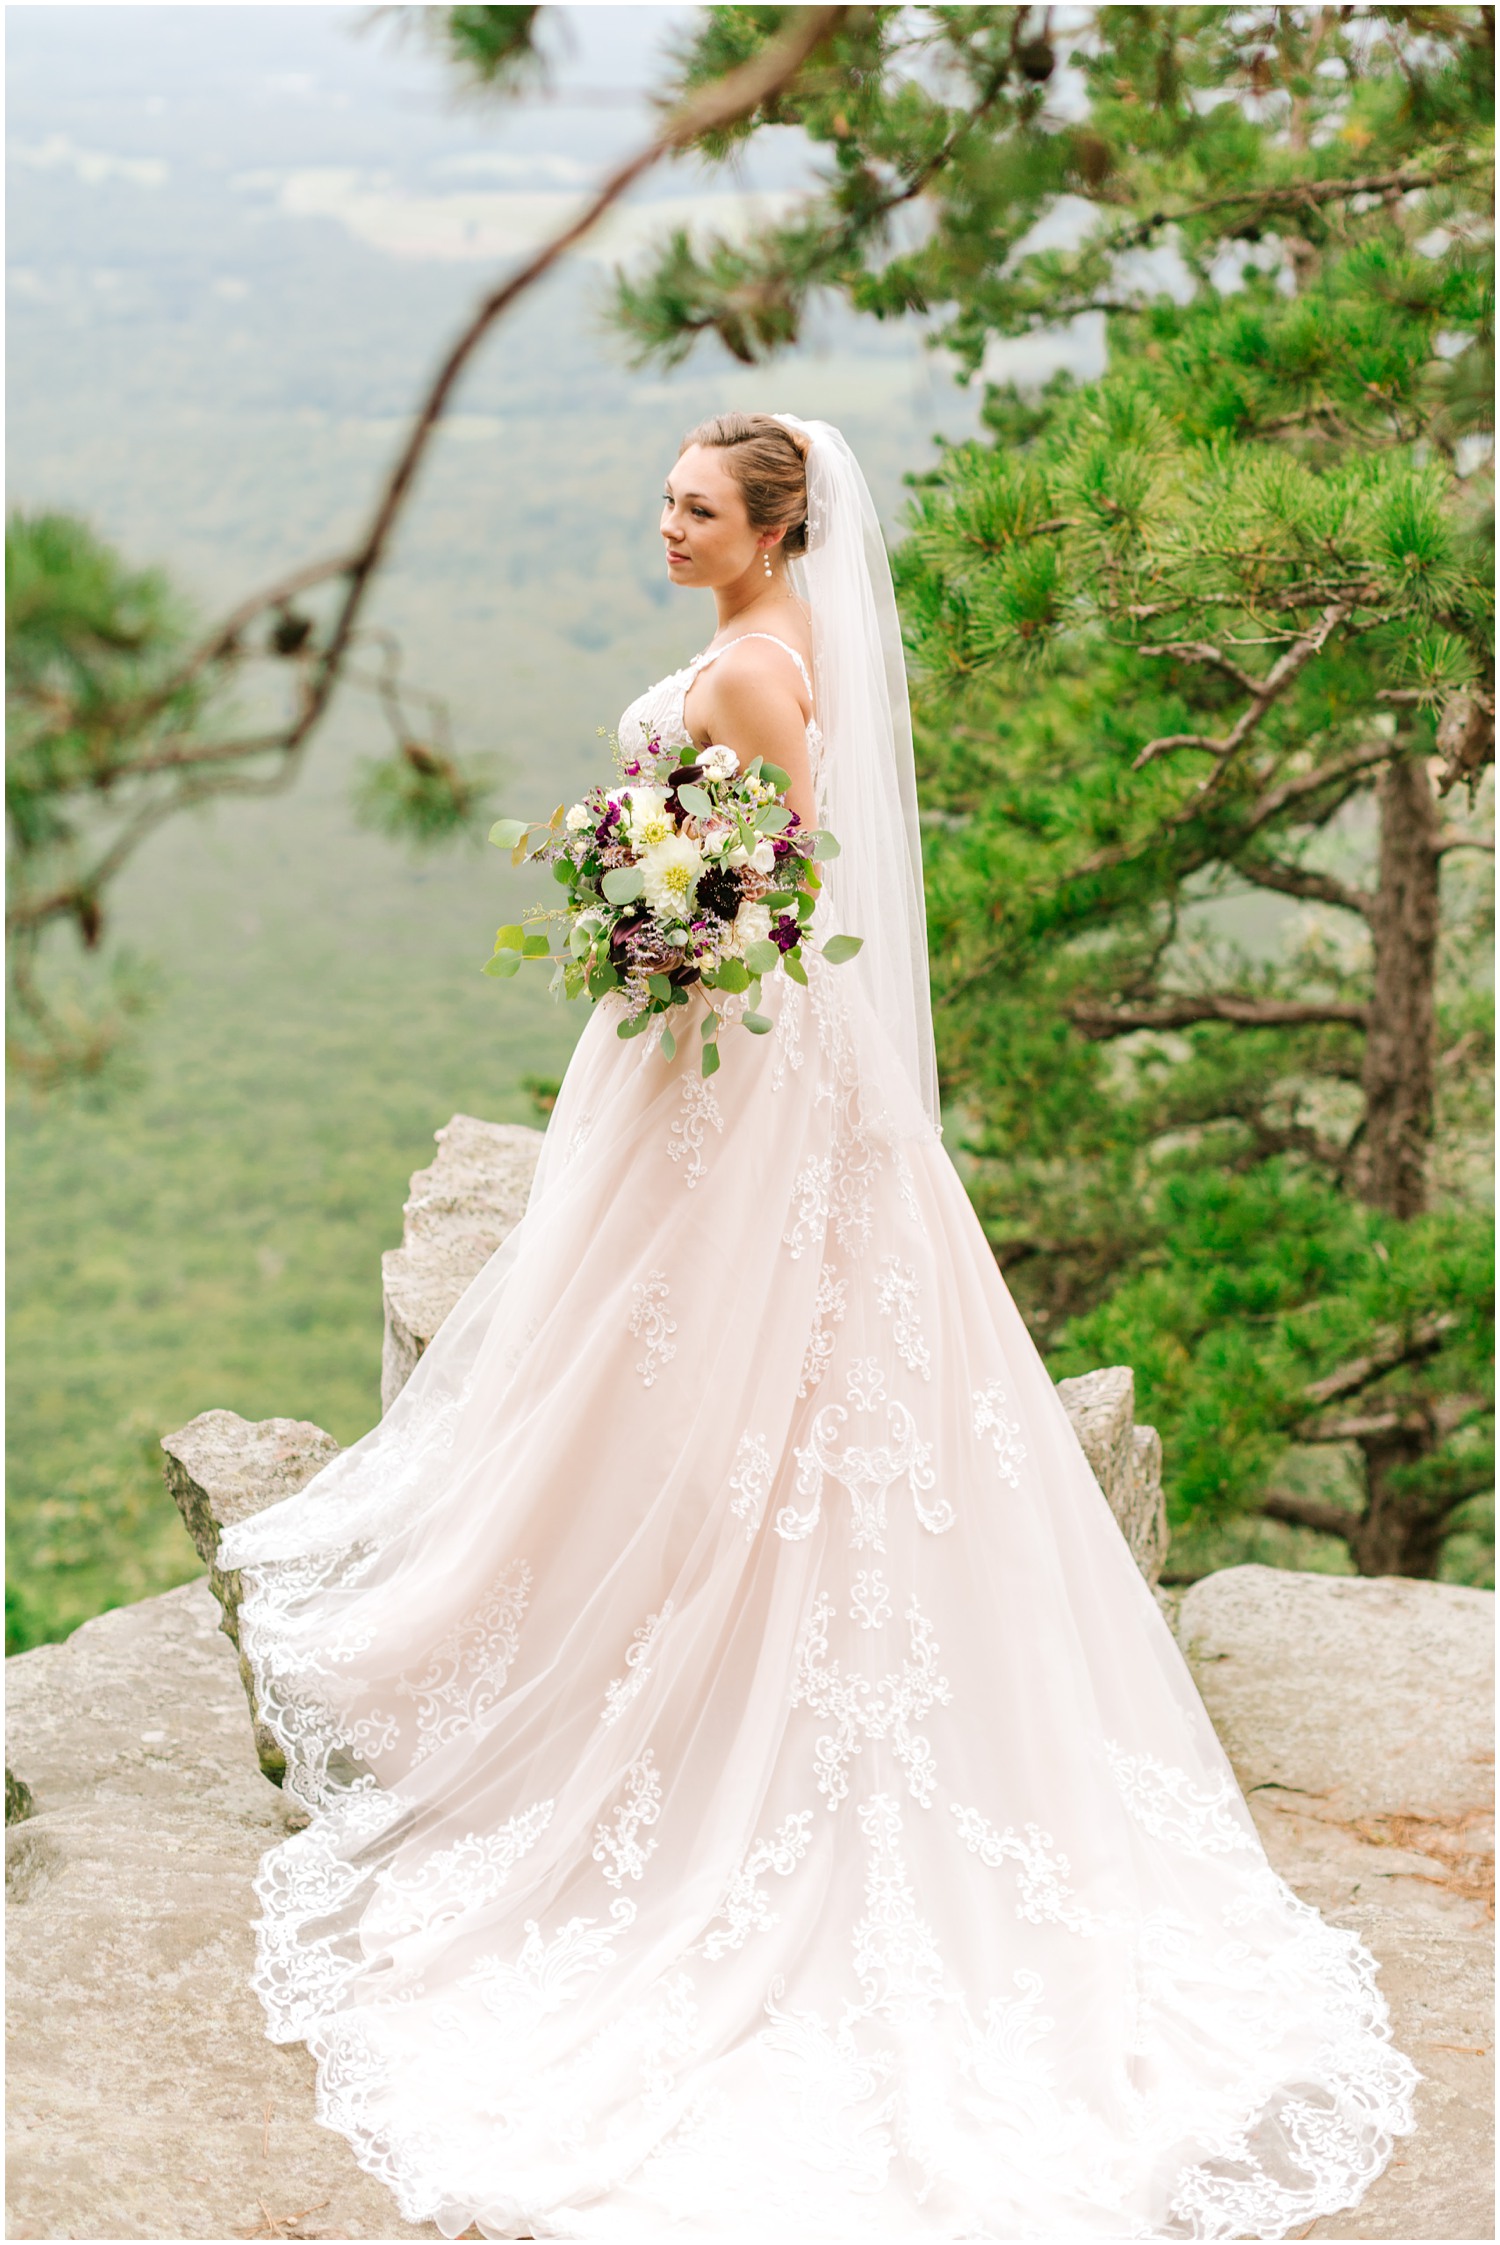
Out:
{"x": 699, "y": 878}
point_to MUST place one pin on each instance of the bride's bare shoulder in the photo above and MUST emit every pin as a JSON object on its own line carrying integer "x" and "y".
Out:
{"x": 779, "y": 663}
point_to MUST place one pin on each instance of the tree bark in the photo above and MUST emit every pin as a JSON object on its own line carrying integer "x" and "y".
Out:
{"x": 1390, "y": 1170}
{"x": 1399, "y": 1532}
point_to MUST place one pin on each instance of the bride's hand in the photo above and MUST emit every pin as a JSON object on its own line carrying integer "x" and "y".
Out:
{"x": 750, "y": 700}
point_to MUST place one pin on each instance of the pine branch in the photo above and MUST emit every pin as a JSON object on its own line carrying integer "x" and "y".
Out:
{"x": 1301, "y": 880}
{"x": 1264, "y": 692}
{"x": 1366, "y": 1427}
{"x": 1203, "y": 651}
{"x": 1279, "y": 799}
{"x": 1307, "y": 1512}
{"x": 1392, "y": 1348}
{"x": 1246, "y": 1013}
{"x": 1291, "y": 1138}
{"x": 1259, "y": 200}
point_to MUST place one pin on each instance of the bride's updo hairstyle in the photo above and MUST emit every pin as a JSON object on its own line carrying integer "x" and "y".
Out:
{"x": 769, "y": 463}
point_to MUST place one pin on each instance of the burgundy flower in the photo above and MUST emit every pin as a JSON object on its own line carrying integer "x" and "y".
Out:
{"x": 786, "y": 931}
{"x": 680, "y": 778}
{"x": 720, "y": 892}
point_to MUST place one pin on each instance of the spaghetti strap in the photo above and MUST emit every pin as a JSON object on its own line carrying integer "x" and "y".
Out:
{"x": 712, "y": 654}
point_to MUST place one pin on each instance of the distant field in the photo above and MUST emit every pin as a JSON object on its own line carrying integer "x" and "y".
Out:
{"x": 218, "y": 389}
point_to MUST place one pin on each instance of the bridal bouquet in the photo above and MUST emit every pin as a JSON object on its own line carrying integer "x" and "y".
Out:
{"x": 702, "y": 875}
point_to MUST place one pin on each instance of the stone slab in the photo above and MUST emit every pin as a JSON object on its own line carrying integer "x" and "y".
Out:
{"x": 1359, "y": 1717}
{"x": 1126, "y": 1459}
{"x": 459, "y": 1211}
{"x": 221, "y": 1468}
{"x": 144, "y": 2099}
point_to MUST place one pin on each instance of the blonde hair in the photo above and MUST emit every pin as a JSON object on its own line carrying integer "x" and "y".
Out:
{"x": 769, "y": 463}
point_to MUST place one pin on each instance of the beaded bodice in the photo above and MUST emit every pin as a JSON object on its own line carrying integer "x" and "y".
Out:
{"x": 658, "y": 713}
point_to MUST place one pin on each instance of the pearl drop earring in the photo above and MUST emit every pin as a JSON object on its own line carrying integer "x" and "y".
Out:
{"x": 766, "y": 558}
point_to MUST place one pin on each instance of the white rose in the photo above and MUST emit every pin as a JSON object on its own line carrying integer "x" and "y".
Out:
{"x": 580, "y": 817}
{"x": 718, "y": 840}
{"x": 763, "y": 857}
{"x": 719, "y": 763}
{"x": 670, "y": 870}
{"x": 752, "y": 924}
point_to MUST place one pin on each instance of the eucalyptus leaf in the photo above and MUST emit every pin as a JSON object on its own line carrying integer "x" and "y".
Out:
{"x": 602, "y": 980}
{"x": 636, "y": 1026}
{"x": 509, "y": 939}
{"x": 734, "y": 975}
{"x": 710, "y": 1062}
{"x": 838, "y": 948}
{"x": 824, "y": 845}
{"x": 503, "y": 965}
{"x": 708, "y": 1028}
{"x": 668, "y": 1045}
{"x": 757, "y": 1024}
{"x": 794, "y": 967}
{"x": 536, "y": 947}
{"x": 773, "y": 818}
{"x": 775, "y": 777}
{"x": 562, "y": 870}
{"x": 623, "y": 885}
{"x": 506, "y": 833}
{"x": 780, "y": 900}
{"x": 659, "y": 987}
{"x": 762, "y": 957}
{"x": 693, "y": 799}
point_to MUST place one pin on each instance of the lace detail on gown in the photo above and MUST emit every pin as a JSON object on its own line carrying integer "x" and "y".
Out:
{"x": 754, "y": 1793}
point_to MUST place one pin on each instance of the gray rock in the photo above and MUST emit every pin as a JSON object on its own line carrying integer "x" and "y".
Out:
{"x": 1359, "y": 1717}
{"x": 221, "y": 1468}
{"x": 144, "y": 2099}
{"x": 460, "y": 1210}
{"x": 140, "y": 2080}
{"x": 1126, "y": 1458}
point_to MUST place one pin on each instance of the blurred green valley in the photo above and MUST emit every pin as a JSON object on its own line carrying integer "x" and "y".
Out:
{"x": 211, "y": 345}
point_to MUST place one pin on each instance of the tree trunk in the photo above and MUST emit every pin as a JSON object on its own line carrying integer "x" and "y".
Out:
{"x": 1400, "y": 1532}
{"x": 1390, "y": 1170}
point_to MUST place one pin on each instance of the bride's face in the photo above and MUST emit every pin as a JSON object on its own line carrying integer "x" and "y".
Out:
{"x": 704, "y": 525}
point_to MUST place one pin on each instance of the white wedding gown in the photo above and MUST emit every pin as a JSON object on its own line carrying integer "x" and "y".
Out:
{"x": 754, "y": 1793}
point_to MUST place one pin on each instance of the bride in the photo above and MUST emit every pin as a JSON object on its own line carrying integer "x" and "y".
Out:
{"x": 752, "y": 1788}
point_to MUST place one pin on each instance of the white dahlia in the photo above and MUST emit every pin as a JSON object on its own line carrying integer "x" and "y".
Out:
{"x": 670, "y": 869}
{"x": 649, "y": 819}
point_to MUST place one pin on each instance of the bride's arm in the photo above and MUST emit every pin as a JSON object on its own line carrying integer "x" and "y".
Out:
{"x": 751, "y": 701}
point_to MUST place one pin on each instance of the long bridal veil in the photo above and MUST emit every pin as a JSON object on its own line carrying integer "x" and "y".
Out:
{"x": 870, "y": 787}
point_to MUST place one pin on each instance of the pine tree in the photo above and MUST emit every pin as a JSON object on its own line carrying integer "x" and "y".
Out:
{"x": 1214, "y": 628}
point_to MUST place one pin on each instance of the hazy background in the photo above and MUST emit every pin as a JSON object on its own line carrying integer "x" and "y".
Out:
{"x": 238, "y": 238}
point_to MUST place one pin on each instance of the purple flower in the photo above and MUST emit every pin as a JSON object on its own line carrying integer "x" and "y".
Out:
{"x": 633, "y": 770}
{"x": 787, "y": 931}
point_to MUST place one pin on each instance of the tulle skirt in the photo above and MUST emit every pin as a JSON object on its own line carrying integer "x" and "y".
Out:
{"x": 753, "y": 1791}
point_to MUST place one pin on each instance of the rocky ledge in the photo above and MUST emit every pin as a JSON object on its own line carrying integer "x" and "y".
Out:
{"x": 146, "y": 2103}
